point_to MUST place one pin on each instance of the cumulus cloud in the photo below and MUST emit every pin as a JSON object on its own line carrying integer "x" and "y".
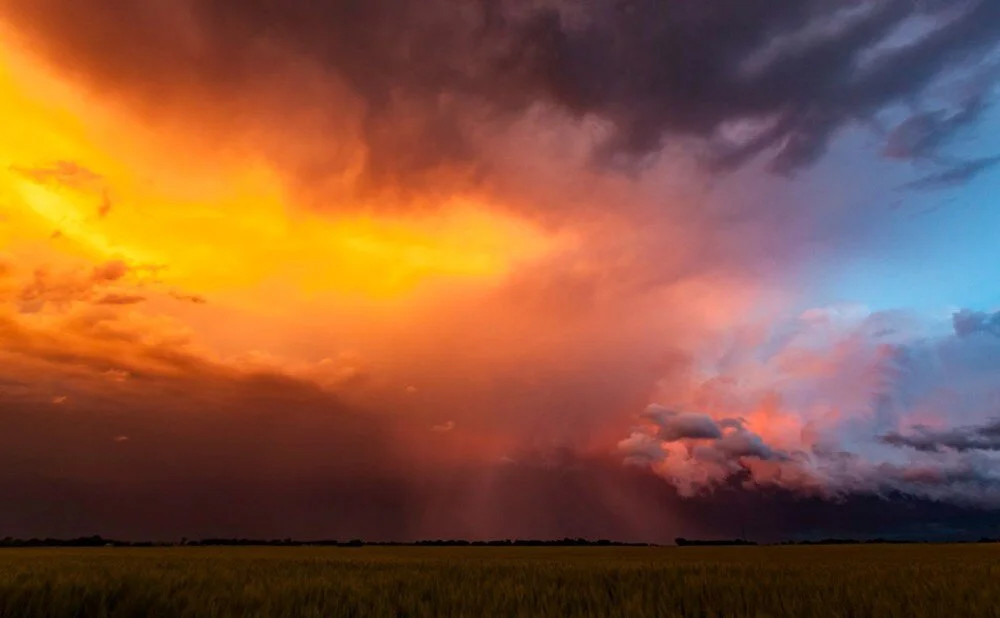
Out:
{"x": 711, "y": 452}
{"x": 677, "y": 425}
{"x": 837, "y": 404}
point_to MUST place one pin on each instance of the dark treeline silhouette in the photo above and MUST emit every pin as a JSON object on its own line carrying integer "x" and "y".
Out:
{"x": 530, "y": 542}
{"x": 84, "y": 541}
{"x": 682, "y": 542}
{"x": 98, "y": 541}
{"x": 430, "y": 542}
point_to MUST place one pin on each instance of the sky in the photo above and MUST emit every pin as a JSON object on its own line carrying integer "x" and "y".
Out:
{"x": 400, "y": 269}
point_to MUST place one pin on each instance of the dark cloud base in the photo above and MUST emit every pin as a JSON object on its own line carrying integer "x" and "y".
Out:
{"x": 263, "y": 456}
{"x": 524, "y": 504}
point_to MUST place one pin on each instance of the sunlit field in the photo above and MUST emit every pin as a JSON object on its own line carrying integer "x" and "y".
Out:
{"x": 800, "y": 581}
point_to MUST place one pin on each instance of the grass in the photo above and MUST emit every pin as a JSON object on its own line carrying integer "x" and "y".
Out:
{"x": 800, "y": 581}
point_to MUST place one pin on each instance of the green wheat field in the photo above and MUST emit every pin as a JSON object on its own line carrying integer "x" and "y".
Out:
{"x": 801, "y": 581}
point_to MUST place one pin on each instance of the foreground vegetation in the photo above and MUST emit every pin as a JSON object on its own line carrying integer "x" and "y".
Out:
{"x": 799, "y": 581}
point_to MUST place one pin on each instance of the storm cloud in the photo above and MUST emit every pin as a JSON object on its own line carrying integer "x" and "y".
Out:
{"x": 744, "y": 79}
{"x": 401, "y": 268}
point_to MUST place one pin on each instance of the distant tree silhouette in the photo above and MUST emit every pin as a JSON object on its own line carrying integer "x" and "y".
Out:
{"x": 681, "y": 542}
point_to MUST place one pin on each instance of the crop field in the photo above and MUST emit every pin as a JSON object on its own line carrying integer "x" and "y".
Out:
{"x": 800, "y": 581}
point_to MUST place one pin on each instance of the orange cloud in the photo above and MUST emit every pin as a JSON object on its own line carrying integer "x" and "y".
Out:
{"x": 525, "y": 310}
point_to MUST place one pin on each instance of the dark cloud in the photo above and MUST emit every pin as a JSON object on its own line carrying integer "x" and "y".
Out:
{"x": 958, "y": 174}
{"x": 739, "y": 442}
{"x": 680, "y": 425}
{"x": 967, "y": 322}
{"x": 790, "y": 73}
{"x": 921, "y": 135}
{"x": 424, "y": 81}
{"x": 594, "y": 500}
{"x": 726, "y": 439}
{"x": 976, "y": 438}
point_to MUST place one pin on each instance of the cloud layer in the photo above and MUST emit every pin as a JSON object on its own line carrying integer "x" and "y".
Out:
{"x": 840, "y": 402}
{"x": 419, "y": 85}
{"x": 394, "y": 269}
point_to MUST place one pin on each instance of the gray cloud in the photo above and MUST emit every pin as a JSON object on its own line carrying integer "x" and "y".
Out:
{"x": 975, "y": 438}
{"x": 682, "y": 425}
{"x": 957, "y": 174}
{"x": 727, "y": 438}
{"x": 967, "y": 322}
{"x": 799, "y": 70}
{"x": 743, "y": 443}
{"x": 716, "y": 452}
{"x": 922, "y": 134}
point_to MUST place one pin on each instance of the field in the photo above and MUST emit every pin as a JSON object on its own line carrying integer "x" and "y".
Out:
{"x": 634, "y": 582}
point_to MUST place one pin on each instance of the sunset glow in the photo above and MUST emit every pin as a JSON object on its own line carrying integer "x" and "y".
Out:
{"x": 423, "y": 271}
